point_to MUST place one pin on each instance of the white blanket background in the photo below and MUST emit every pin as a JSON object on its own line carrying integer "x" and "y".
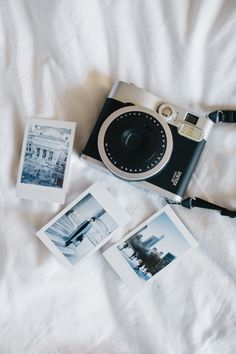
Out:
{"x": 58, "y": 59}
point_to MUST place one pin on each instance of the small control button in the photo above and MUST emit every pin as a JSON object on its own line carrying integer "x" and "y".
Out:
{"x": 166, "y": 111}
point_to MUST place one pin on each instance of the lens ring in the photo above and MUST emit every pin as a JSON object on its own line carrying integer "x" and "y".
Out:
{"x": 125, "y": 174}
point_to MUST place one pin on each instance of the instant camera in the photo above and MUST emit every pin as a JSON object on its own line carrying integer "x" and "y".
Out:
{"x": 145, "y": 140}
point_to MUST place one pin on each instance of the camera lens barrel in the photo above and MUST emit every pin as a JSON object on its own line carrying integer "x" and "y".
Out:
{"x": 135, "y": 143}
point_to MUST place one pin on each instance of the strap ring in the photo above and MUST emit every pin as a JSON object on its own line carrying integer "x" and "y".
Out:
{"x": 218, "y": 116}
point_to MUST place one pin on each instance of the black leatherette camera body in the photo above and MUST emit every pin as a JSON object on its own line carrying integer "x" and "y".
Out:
{"x": 174, "y": 178}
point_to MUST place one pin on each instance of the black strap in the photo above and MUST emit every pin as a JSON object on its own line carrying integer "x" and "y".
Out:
{"x": 216, "y": 116}
{"x": 223, "y": 116}
{"x": 201, "y": 203}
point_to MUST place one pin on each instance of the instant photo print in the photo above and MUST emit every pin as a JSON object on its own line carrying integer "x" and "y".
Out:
{"x": 83, "y": 226}
{"x": 45, "y": 159}
{"x": 150, "y": 249}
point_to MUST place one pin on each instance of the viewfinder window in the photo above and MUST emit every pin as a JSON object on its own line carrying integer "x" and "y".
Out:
{"x": 190, "y": 118}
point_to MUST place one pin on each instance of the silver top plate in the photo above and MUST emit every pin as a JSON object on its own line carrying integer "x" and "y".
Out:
{"x": 125, "y": 92}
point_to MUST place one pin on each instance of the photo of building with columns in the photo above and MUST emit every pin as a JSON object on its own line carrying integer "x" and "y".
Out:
{"x": 45, "y": 156}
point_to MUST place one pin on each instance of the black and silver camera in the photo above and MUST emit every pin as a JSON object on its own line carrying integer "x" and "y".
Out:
{"x": 143, "y": 139}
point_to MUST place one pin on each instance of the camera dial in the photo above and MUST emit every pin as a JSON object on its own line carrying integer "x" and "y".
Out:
{"x": 135, "y": 143}
{"x": 166, "y": 111}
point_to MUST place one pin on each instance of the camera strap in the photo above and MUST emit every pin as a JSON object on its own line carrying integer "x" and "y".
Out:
{"x": 190, "y": 203}
{"x": 224, "y": 116}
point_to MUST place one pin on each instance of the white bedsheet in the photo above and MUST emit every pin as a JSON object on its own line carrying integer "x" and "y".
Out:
{"x": 58, "y": 59}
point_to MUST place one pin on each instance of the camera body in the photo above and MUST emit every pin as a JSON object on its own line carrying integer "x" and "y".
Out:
{"x": 143, "y": 139}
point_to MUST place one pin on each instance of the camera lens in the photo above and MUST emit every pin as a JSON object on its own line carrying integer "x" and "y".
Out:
{"x": 133, "y": 143}
{"x": 131, "y": 140}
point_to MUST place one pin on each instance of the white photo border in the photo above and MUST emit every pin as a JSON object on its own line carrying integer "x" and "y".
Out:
{"x": 125, "y": 272}
{"x": 44, "y": 193}
{"x": 108, "y": 203}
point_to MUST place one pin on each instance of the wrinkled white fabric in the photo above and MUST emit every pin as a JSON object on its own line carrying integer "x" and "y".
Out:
{"x": 58, "y": 59}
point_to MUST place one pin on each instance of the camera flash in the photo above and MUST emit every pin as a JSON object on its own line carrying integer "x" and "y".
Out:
{"x": 191, "y": 132}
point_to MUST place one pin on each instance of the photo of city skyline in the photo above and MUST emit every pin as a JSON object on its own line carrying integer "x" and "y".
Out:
{"x": 153, "y": 247}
